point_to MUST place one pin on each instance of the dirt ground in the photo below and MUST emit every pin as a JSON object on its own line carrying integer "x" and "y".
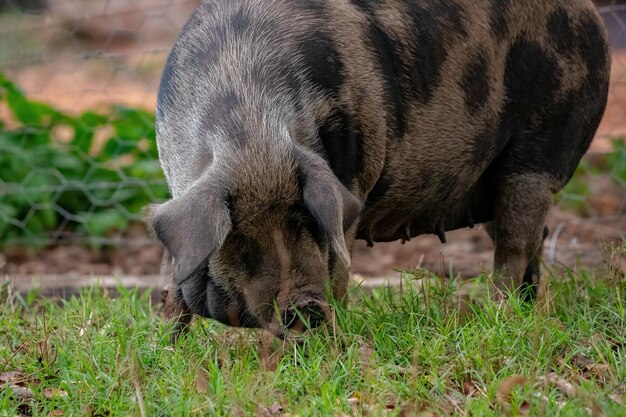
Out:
{"x": 579, "y": 243}
{"x": 85, "y": 58}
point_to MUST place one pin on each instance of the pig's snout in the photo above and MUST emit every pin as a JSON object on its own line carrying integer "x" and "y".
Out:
{"x": 306, "y": 312}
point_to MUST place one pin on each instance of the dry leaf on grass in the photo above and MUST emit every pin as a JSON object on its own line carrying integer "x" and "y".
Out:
{"x": 397, "y": 372}
{"x": 590, "y": 368}
{"x": 238, "y": 413}
{"x": 366, "y": 355}
{"x": 18, "y": 383}
{"x": 469, "y": 388}
{"x": 353, "y": 402}
{"x": 566, "y": 388}
{"x": 273, "y": 410}
{"x": 617, "y": 344}
{"x": 22, "y": 393}
{"x": 562, "y": 385}
{"x": 54, "y": 393}
{"x": 454, "y": 403}
{"x": 599, "y": 370}
{"x": 56, "y": 413}
{"x": 202, "y": 381}
{"x": 617, "y": 399}
{"x": 406, "y": 410}
{"x": 12, "y": 377}
{"x": 402, "y": 371}
{"x": 503, "y": 395}
{"x": 581, "y": 361}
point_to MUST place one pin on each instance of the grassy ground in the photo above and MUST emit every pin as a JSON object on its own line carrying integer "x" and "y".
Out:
{"x": 402, "y": 351}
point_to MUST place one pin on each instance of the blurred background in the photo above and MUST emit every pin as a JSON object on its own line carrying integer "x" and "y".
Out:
{"x": 78, "y": 83}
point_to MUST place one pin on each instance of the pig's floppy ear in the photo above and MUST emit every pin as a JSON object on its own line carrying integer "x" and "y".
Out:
{"x": 334, "y": 207}
{"x": 191, "y": 226}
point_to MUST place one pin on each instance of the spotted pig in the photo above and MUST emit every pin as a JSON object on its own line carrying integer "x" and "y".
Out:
{"x": 289, "y": 128}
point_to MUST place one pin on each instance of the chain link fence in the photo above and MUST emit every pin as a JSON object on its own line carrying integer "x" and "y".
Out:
{"x": 80, "y": 167}
{"x": 78, "y": 83}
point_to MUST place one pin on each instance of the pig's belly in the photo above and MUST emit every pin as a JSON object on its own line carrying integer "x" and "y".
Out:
{"x": 412, "y": 207}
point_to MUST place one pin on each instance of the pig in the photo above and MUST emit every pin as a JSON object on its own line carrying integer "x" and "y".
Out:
{"x": 287, "y": 129}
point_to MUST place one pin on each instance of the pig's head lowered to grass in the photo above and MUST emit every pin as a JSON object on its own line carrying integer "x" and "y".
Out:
{"x": 252, "y": 239}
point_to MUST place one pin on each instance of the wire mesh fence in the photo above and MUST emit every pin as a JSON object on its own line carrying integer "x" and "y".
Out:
{"x": 80, "y": 167}
{"x": 78, "y": 83}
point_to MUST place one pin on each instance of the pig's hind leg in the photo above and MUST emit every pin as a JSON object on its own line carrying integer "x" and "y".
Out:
{"x": 532, "y": 274}
{"x": 522, "y": 205}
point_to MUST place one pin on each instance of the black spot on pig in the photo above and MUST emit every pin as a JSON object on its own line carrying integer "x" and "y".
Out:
{"x": 450, "y": 15}
{"x": 433, "y": 29}
{"x": 560, "y": 129}
{"x": 276, "y": 76}
{"x": 240, "y": 21}
{"x": 480, "y": 200}
{"x": 567, "y": 129}
{"x": 532, "y": 78}
{"x": 475, "y": 83}
{"x": 390, "y": 62}
{"x": 593, "y": 48}
{"x": 560, "y": 30}
{"x": 206, "y": 52}
{"x": 322, "y": 62}
{"x": 315, "y": 6}
{"x": 342, "y": 141}
{"x": 368, "y": 6}
{"x": 222, "y": 107}
{"x": 498, "y": 18}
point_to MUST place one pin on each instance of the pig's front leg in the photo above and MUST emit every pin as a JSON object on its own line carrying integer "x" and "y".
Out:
{"x": 176, "y": 312}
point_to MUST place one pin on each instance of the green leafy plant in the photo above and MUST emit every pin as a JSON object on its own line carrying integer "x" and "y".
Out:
{"x": 83, "y": 175}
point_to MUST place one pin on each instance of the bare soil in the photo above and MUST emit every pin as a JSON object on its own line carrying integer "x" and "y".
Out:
{"x": 574, "y": 242}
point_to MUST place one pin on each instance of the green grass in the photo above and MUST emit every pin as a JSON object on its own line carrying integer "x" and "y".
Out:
{"x": 401, "y": 351}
